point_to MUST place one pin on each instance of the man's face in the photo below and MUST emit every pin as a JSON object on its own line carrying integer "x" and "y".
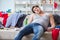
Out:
{"x": 36, "y": 10}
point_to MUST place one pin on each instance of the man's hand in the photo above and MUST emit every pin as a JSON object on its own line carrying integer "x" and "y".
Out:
{"x": 50, "y": 28}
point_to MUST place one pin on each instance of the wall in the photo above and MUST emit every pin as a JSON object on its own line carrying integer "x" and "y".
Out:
{"x": 7, "y": 4}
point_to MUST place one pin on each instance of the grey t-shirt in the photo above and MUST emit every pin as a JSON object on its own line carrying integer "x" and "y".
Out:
{"x": 43, "y": 20}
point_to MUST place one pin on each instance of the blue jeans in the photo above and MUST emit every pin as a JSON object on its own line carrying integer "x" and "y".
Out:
{"x": 35, "y": 28}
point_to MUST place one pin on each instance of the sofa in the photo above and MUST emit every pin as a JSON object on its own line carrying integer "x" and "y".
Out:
{"x": 9, "y": 34}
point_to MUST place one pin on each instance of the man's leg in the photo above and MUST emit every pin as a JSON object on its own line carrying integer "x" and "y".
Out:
{"x": 27, "y": 30}
{"x": 38, "y": 32}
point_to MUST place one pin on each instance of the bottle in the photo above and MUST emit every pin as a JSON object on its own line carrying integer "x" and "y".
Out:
{"x": 25, "y": 21}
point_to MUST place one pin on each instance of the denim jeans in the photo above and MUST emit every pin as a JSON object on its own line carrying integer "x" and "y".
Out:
{"x": 35, "y": 28}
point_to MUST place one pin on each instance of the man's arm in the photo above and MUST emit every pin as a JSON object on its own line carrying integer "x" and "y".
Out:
{"x": 30, "y": 18}
{"x": 51, "y": 22}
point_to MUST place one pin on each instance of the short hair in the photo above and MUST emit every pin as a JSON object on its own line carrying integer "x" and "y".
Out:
{"x": 34, "y": 7}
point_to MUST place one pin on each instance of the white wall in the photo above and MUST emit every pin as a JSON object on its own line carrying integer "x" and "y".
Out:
{"x": 0, "y": 4}
{"x": 7, "y": 4}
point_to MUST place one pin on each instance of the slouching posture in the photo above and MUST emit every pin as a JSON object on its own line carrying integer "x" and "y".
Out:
{"x": 38, "y": 24}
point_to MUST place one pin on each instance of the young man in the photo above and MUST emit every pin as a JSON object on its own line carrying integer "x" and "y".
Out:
{"x": 38, "y": 24}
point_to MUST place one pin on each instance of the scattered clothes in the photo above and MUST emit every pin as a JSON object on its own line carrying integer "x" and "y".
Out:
{"x": 4, "y": 16}
{"x": 12, "y": 19}
{"x": 1, "y": 25}
{"x": 57, "y": 19}
{"x": 20, "y": 21}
